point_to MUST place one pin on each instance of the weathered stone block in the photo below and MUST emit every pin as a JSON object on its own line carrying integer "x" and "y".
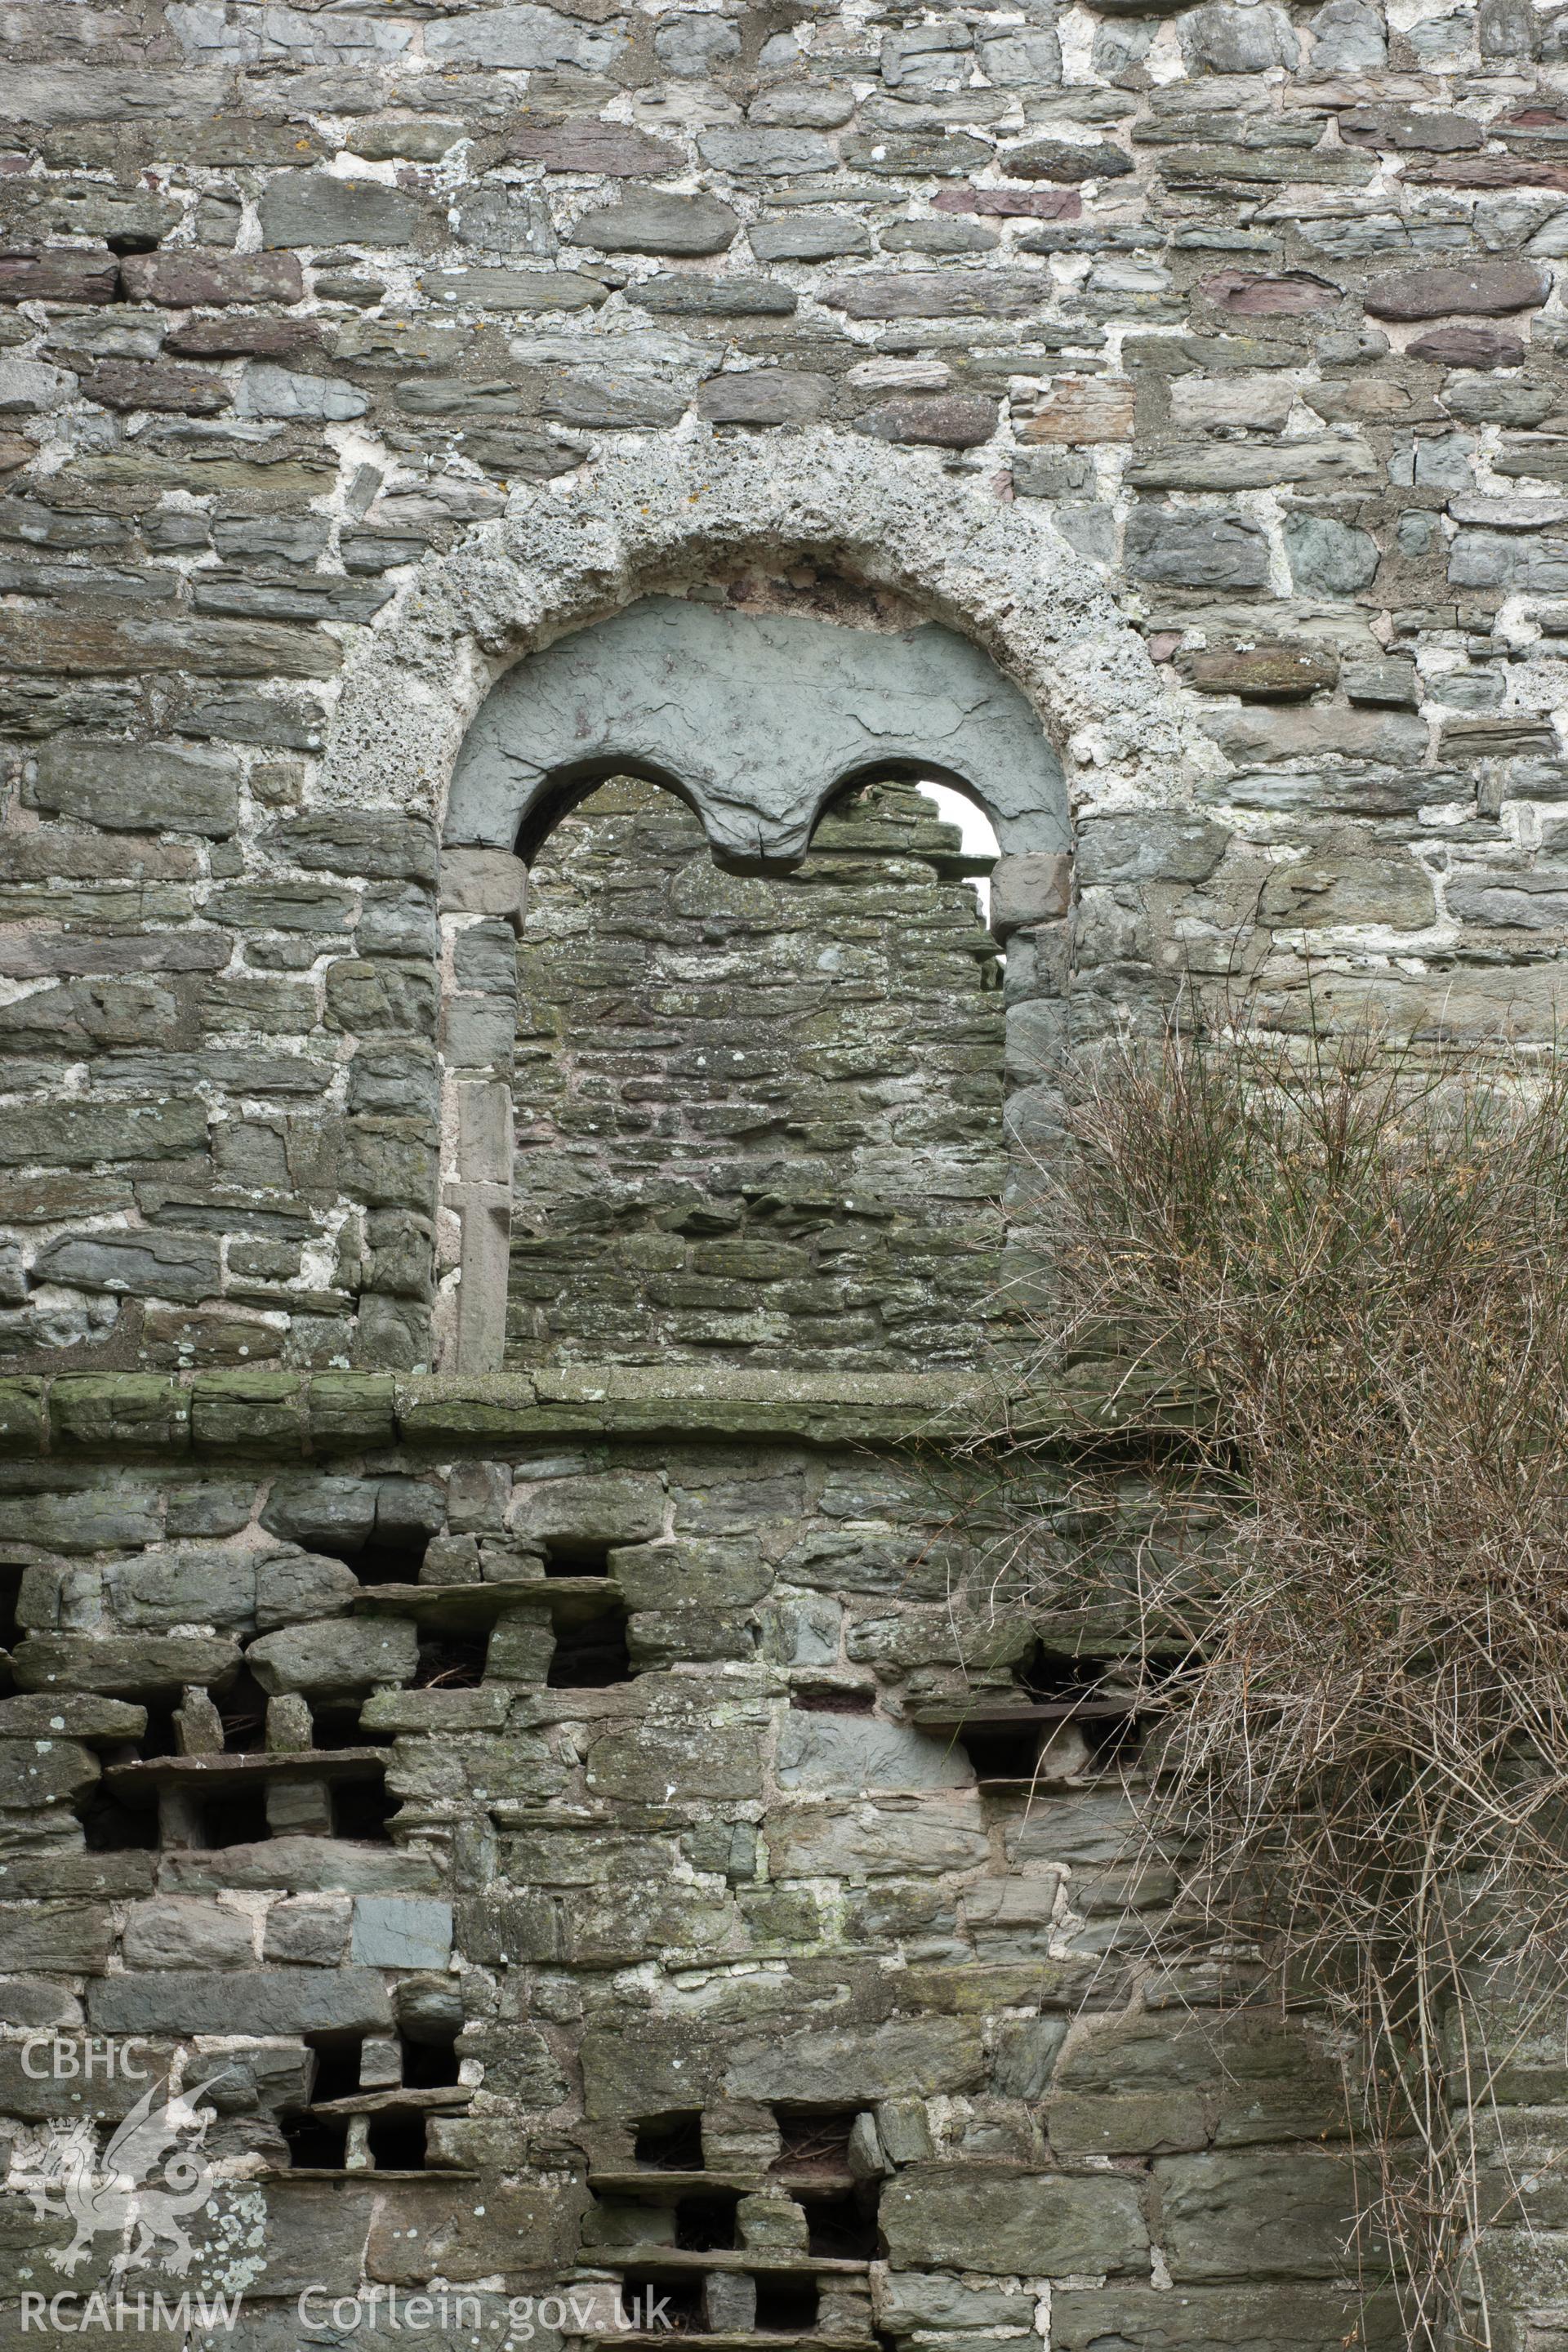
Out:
{"x": 859, "y": 2066}
{"x": 939, "y": 294}
{"x": 75, "y": 1135}
{"x": 182, "y": 1932}
{"x": 186, "y": 279}
{"x": 1067, "y": 161}
{"x": 1295, "y": 2319}
{"x": 67, "y": 1938}
{"x": 311, "y": 208}
{"x": 123, "y": 1664}
{"x": 1482, "y": 290}
{"x": 308, "y": 1931}
{"x": 248, "y": 1413}
{"x": 1244, "y": 2216}
{"x": 944, "y": 421}
{"x": 1289, "y": 733}
{"x": 1153, "y": 848}
{"x": 122, "y": 1413}
{"x": 1036, "y": 887}
{"x": 335, "y": 1658}
{"x": 1147, "y": 2123}
{"x": 623, "y": 1508}
{"x": 401, "y": 1931}
{"x": 764, "y": 396}
{"x": 269, "y": 2000}
{"x": 702, "y": 1758}
{"x": 845, "y": 1754}
{"x": 651, "y": 223}
{"x": 59, "y": 274}
{"x": 1081, "y": 411}
{"x": 1039, "y": 2226}
{"x": 1178, "y": 548}
{"x": 910, "y": 2302}
{"x": 691, "y": 1571}
{"x": 1329, "y": 558}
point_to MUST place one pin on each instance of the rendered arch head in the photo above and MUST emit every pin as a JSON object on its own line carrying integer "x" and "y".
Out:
{"x": 757, "y": 719}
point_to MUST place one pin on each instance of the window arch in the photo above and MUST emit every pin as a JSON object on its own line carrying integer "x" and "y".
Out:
{"x": 779, "y": 753}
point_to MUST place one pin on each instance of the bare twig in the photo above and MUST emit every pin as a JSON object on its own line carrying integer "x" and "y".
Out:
{"x": 1349, "y": 1603}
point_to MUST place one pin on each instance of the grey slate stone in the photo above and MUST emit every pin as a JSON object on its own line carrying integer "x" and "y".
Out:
{"x": 308, "y": 1931}
{"x": 766, "y": 155}
{"x": 1037, "y": 2226}
{"x": 181, "y": 1585}
{"x": 1176, "y": 548}
{"x": 857, "y": 2066}
{"x": 138, "y": 787}
{"x": 1220, "y": 39}
{"x": 308, "y": 1584}
{"x": 138, "y": 1664}
{"x": 691, "y": 47}
{"x": 1150, "y": 847}
{"x": 1302, "y": 732}
{"x": 764, "y": 397}
{"x": 1293, "y": 2317}
{"x": 524, "y": 37}
{"x": 302, "y": 1865}
{"x": 610, "y": 685}
{"x": 144, "y": 1263}
{"x": 723, "y": 294}
{"x": 267, "y": 390}
{"x": 309, "y": 208}
{"x": 809, "y": 235}
{"x": 1482, "y": 290}
{"x": 335, "y": 1658}
{"x": 1495, "y": 559}
{"x": 71, "y": 1939}
{"x": 179, "y": 1932}
{"x": 843, "y": 1755}
{"x": 1253, "y": 2211}
{"x": 948, "y": 234}
{"x": 940, "y": 421}
{"x": 1328, "y": 558}
{"x": 939, "y": 294}
{"x": 269, "y": 2000}
{"x": 646, "y": 222}
{"x": 401, "y": 1931}
{"x": 1348, "y": 37}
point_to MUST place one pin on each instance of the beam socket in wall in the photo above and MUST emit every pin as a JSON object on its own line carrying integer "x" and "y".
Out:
{"x": 671, "y": 2142}
{"x": 591, "y": 1653}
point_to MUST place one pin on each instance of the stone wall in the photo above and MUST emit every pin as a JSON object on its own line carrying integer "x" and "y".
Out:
{"x": 587, "y": 1826}
{"x": 756, "y": 1118}
{"x": 580, "y": 1847}
{"x": 1248, "y": 313}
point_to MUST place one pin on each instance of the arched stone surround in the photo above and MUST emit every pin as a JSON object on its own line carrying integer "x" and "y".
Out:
{"x": 997, "y": 571}
{"x": 1114, "y": 743}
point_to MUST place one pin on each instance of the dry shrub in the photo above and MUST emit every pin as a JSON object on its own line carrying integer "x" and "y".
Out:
{"x": 1355, "y": 1270}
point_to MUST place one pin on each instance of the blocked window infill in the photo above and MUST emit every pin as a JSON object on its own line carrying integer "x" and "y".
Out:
{"x": 758, "y": 1117}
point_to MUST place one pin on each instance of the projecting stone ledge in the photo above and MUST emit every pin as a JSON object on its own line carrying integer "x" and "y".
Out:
{"x": 292, "y": 1416}
{"x": 295, "y": 1415}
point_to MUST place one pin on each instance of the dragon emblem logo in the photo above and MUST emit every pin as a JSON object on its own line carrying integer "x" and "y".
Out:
{"x": 150, "y": 2175}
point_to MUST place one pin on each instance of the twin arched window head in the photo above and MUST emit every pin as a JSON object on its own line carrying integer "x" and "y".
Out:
{"x": 757, "y": 719}
{"x": 753, "y": 1111}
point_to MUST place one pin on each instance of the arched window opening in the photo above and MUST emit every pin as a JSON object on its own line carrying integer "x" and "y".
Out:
{"x": 976, "y": 837}
{"x": 757, "y": 1117}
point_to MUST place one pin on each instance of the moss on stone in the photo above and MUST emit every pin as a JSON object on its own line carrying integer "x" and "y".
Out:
{"x": 248, "y": 1413}
{"x": 136, "y": 1412}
